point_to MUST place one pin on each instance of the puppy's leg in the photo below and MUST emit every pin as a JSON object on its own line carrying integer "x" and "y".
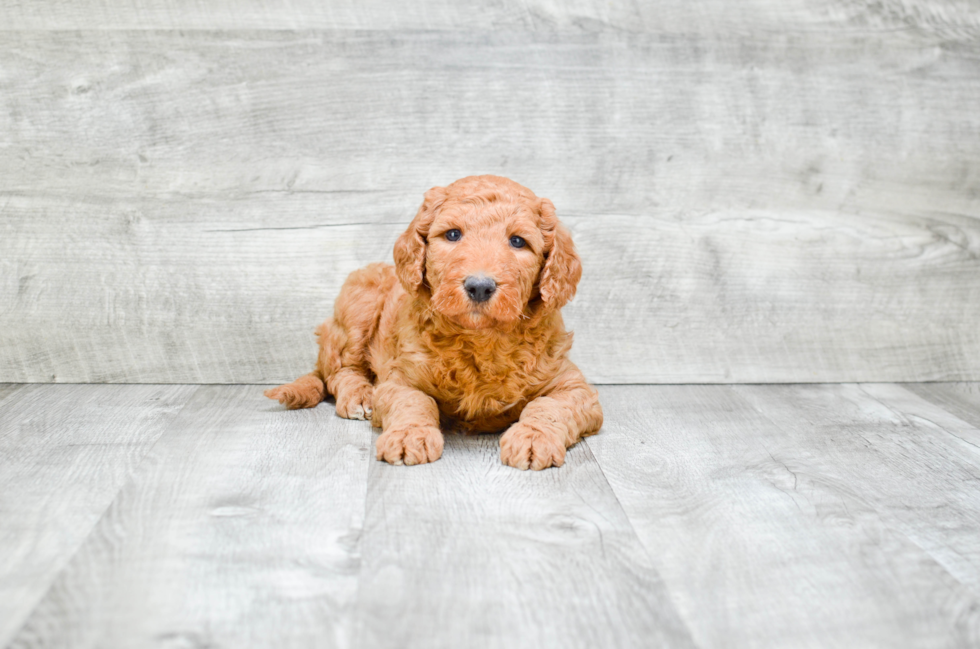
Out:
{"x": 338, "y": 371}
{"x": 354, "y": 393}
{"x": 309, "y": 390}
{"x": 410, "y": 419}
{"x": 342, "y": 366}
{"x": 551, "y": 423}
{"x": 304, "y": 392}
{"x": 349, "y": 384}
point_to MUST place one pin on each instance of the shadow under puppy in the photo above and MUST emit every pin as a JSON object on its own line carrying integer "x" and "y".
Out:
{"x": 466, "y": 327}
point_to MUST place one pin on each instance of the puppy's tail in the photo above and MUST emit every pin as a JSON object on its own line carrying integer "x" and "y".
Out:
{"x": 309, "y": 390}
{"x": 305, "y": 392}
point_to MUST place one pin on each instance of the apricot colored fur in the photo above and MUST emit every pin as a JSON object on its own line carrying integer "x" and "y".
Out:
{"x": 407, "y": 347}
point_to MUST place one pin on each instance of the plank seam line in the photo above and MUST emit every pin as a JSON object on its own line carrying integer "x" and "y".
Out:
{"x": 18, "y": 387}
{"x": 933, "y": 404}
{"x": 881, "y": 518}
{"x": 642, "y": 546}
{"x": 945, "y": 408}
{"x": 81, "y": 544}
{"x": 615, "y": 496}
{"x": 354, "y": 623}
{"x": 305, "y": 227}
{"x": 891, "y": 527}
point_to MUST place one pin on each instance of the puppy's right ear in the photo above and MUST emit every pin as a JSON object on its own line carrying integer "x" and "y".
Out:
{"x": 410, "y": 247}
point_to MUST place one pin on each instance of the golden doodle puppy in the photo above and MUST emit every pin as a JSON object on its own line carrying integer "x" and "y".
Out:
{"x": 465, "y": 329}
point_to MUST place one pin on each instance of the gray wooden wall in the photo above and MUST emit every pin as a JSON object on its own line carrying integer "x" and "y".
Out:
{"x": 762, "y": 191}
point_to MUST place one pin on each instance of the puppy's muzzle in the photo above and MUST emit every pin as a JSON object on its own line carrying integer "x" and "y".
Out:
{"x": 479, "y": 288}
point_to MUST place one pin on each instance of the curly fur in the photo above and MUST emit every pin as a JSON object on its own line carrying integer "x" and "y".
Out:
{"x": 407, "y": 347}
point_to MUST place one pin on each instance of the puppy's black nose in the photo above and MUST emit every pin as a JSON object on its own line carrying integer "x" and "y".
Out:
{"x": 480, "y": 288}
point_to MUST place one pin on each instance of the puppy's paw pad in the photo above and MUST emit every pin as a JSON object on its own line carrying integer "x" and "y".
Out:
{"x": 525, "y": 447}
{"x": 410, "y": 445}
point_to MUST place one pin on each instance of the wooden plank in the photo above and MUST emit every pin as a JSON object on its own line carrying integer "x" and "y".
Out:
{"x": 216, "y": 293}
{"x": 804, "y": 297}
{"x": 467, "y": 552}
{"x": 730, "y": 516}
{"x": 239, "y": 529}
{"x": 939, "y": 454}
{"x": 65, "y": 451}
{"x": 959, "y": 20}
{"x": 780, "y": 516}
{"x": 960, "y": 399}
{"x": 173, "y": 293}
{"x": 774, "y": 209}
{"x": 915, "y": 463}
{"x": 7, "y": 389}
{"x": 600, "y": 123}
{"x": 299, "y": 14}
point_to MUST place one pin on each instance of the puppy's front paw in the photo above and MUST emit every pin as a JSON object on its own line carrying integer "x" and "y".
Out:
{"x": 356, "y": 403}
{"x": 410, "y": 445}
{"x": 529, "y": 447}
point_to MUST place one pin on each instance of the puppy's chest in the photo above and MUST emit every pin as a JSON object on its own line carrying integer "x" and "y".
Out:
{"x": 481, "y": 387}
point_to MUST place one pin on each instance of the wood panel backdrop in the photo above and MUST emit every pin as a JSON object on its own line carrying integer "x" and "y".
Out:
{"x": 761, "y": 191}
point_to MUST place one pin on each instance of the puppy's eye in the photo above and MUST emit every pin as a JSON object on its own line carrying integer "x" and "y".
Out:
{"x": 453, "y": 235}
{"x": 517, "y": 242}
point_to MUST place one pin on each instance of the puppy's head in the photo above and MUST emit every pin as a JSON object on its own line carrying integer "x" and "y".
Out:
{"x": 485, "y": 248}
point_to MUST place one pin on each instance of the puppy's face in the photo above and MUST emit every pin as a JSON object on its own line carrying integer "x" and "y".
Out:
{"x": 483, "y": 260}
{"x": 484, "y": 247}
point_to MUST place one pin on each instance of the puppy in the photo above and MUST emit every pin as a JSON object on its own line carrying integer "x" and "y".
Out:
{"x": 465, "y": 329}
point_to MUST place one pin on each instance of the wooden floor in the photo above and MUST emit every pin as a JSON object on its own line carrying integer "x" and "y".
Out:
{"x": 837, "y": 515}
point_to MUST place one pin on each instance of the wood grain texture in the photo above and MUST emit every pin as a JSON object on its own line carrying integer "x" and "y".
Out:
{"x": 711, "y": 516}
{"x": 800, "y": 516}
{"x": 960, "y": 399}
{"x": 182, "y": 206}
{"x": 64, "y": 454}
{"x": 239, "y": 529}
{"x": 939, "y": 453}
{"x": 7, "y": 389}
{"x": 467, "y": 552}
{"x": 960, "y": 19}
{"x": 164, "y": 293}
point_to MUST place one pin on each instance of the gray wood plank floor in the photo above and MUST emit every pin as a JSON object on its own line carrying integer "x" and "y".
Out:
{"x": 828, "y": 515}
{"x": 64, "y": 455}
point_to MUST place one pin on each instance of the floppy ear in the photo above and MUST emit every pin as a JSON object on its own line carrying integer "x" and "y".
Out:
{"x": 410, "y": 248}
{"x": 562, "y": 267}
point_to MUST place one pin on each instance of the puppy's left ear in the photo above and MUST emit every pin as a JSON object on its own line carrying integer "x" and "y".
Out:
{"x": 562, "y": 267}
{"x": 410, "y": 248}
